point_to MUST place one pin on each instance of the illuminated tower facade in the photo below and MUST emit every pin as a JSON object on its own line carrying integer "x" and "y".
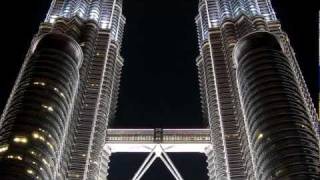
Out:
{"x": 55, "y": 121}
{"x": 262, "y": 119}
{"x": 263, "y": 124}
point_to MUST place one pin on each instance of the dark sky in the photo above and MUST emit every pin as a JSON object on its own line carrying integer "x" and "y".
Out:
{"x": 159, "y": 86}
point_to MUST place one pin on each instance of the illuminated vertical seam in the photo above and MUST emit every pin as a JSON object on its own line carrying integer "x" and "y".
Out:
{"x": 96, "y": 113}
{"x": 112, "y": 13}
{"x": 219, "y": 111}
{"x": 201, "y": 23}
{"x": 208, "y": 106}
{"x": 118, "y": 26}
{"x": 208, "y": 14}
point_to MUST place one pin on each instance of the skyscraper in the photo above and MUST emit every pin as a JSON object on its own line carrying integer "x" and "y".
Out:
{"x": 263, "y": 122}
{"x": 54, "y": 124}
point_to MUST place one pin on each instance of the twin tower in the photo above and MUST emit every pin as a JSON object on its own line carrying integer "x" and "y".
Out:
{"x": 263, "y": 124}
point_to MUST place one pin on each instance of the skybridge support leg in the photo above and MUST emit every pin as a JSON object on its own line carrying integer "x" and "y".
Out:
{"x": 175, "y": 174}
{"x": 145, "y": 165}
{"x": 168, "y": 162}
{"x": 157, "y": 152}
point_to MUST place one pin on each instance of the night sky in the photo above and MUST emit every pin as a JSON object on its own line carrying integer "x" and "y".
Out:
{"x": 159, "y": 85}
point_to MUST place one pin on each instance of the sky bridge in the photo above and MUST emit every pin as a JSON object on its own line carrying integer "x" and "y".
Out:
{"x": 158, "y": 142}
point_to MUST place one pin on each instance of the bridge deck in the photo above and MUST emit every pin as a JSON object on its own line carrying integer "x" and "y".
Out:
{"x": 171, "y": 140}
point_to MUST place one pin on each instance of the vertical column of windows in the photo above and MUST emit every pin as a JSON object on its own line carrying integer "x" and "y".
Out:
{"x": 106, "y": 11}
{"x": 228, "y": 39}
{"x": 266, "y": 10}
{"x": 213, "y": 10}
{"x": 251, "y": 7}
{"x": 225, "y": 103}
{"x": 225, "y": 8}
{"x": 103, "y": 109}
{"x": 199, "y": 30}
{"x": 204, "y": 20}
{"x": 81, "y": 8}
{"x": 54, "y": 11}
{"x": 92, "y": 78}
{"x": 116, "y": 86}
{"x": 120, "y": 32}
{"x": 237, "y": 7}
{"x": 94, "y": 11}
{"x": 201, "y": 77}
{"x": 214, "y": 114}
{"x": 115, "y": 20}
{"x": 68, "y": 8}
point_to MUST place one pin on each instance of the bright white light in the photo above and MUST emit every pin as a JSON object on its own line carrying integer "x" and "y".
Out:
{"x": 104, "y": 25}
{"x": 4, "y": 148}
{"x": 53, "y": 19}
{"x": 158, "y": 151}
{"x": 15, "y": 157}
{"x": 39, "y": 83}
{"x": 49, "y": 108}
{"x": 267, "y": 17}
{"x": 45, "y": 162}
{"x": 20, "y": 140}
{"x": 35, "y": 135}
{"x": 50, "y": 145}
{"x": 30, "y": 171}
{"x": 80, "y": 13}
{"x": 215, "y": 23}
